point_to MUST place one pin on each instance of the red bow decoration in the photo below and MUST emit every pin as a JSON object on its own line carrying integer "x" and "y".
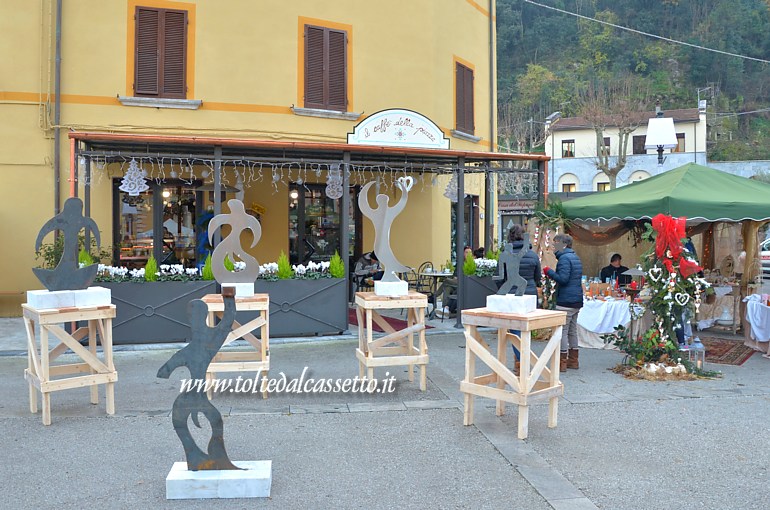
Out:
{"x": 670, "y": 233}
{"x": 688, "y": 268}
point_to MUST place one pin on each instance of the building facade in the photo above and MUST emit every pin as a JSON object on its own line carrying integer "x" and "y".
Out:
{"x": 572, "y": 144}
{"x": 99, "y": 92}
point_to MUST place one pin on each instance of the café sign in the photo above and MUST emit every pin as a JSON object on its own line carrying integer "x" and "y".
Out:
{"x": 399, "y": 128}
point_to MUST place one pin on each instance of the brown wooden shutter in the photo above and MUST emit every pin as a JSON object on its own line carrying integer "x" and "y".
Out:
{"x": 314, "y": 67}
{"x": 337, "y": 69}
{"x": 146, "y": 79}
{"x": 468, "y": 101}
{"x": 459, "y": 97}
{"x": 174, "y": 54}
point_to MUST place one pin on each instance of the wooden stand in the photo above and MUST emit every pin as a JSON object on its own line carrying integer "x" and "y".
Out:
{"x": 528, "y": 386}
{"x": 379, "y": 353}
{"x": 242, "y": 361}
{"x": 39, "y": 370}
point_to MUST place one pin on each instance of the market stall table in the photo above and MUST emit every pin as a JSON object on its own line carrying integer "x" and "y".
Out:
{"x": 757, "y": 333}
{"x": 42, "y": 376}
{"x": 396, "y": 348}
{"x": 599, "y": 317}
{"x": 535, "y": 381}
{"x": 242, "y": 361}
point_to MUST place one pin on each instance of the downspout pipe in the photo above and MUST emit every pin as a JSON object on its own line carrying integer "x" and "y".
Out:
{"x": 57, "y": 115}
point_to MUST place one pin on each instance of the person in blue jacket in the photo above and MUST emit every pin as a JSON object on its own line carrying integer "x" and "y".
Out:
{"x": 569, "y": 296}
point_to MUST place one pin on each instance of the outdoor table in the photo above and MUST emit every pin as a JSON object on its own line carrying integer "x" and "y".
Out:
{"x": 436, "y": 277}
{"x": 728, "y": 297}
{"x": 396, "y": 348}
{"x": 535, "y": 381}
{"x": 242, "y": 361}
{"x": 40, "y": 373}
{"x": 757, "y": 334}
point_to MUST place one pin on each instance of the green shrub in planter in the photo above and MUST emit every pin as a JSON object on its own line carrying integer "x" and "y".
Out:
{"x": 336, "y": 266}
{"x": 284, "y": 267}
{"x": 151, "y": 270}
{"x": 85, "y": 258}
{"x": 469, "y": 266}
{"x": 207, "y": 273}
{"x": 229, "y": 265}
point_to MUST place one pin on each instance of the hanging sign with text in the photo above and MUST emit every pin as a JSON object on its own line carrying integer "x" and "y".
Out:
{"x": 398, "y": 128}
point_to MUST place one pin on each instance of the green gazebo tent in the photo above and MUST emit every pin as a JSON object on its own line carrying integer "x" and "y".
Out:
{"x": 697, "y": 192}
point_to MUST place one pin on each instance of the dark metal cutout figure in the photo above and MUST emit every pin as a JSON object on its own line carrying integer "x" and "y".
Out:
{"x": 197, "y": 356}
{"x": 239, "y": 221}
{"x": 66, "y": 275}
{"x": 508, "y": 265}
{"x": 382, "y": 217}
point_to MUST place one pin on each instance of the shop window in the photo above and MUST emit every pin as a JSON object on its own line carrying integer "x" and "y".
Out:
{"x": 464, "y": 99}
{"x": 160, "y": 222}
{"x": 314, "y": 224}
{"x": 160, "y": 51}
{"x": 326, "y": 68}
{"x": 568, "y": 148}
{"x": 568, "y": 187}
{"x": 638, "y": 144}
{"x": 679, "y": 143}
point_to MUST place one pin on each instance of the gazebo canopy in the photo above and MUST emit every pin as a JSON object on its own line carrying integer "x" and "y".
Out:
{"x": 697, "y": 192}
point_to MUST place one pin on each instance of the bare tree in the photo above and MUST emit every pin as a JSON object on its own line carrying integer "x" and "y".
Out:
{"x": 617, "y": 108}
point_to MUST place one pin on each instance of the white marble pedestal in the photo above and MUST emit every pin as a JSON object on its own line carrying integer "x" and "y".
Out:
{"x": 252, "y": 481}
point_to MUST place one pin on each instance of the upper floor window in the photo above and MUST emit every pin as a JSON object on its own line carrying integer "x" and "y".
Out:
{"x": 464, "y": 98}
{"x": 568, "y": 148}
{"x": 160, "y": 51}
{"x": 679, "y": 143}
{"x": 326, "y": 68}
{"x": 604, "y": 150}
{"x": 638, "y": 144}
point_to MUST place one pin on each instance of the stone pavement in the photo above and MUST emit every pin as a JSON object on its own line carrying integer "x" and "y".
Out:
{"x": 619, "y": 444}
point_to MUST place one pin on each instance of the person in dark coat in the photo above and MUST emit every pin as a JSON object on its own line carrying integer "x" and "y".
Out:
{"x": 569, "y": 296}
{"x": 615, "y": 271}
{"x": 529, "y": 269}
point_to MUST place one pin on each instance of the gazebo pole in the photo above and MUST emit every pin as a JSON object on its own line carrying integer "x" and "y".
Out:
{"x": 460, "y": 237}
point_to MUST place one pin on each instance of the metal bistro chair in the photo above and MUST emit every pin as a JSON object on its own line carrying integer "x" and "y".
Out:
{"x": 425, "y": 283}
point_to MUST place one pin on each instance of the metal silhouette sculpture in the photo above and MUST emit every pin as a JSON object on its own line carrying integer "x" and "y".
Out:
{"x": 197, "y": 356}
{"x": 508, "y": 268}
{"x": 67, "y": 275}
{"x": 239, "y": 220}
{"x": 382, "y": 217}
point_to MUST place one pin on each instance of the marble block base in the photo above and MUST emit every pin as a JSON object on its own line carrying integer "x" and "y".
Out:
{"x": 241, "y": 289}
{"x": 391, "y": 288}
{"x": 509, "y": 303}
{"x": 252, "y": 481}
{"x": 45, "y": 299}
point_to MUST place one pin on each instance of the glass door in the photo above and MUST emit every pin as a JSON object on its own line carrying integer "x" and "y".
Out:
{"x": 314, "y": 224}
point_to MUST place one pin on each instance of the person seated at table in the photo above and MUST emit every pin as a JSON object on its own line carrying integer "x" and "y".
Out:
{"x": 368, "y": 268}
{"x": 479, "y": 253}
{"x": 615, "y": 271}
{"x": 448, "y": 290}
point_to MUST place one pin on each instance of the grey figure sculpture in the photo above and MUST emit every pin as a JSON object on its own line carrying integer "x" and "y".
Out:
{"x": 67, "y": 275}
{"x": 239, "y": 221}
{"x": 382, "y": 217}
{"x": 197, "y": 356}
{"x": 508, "y": 265}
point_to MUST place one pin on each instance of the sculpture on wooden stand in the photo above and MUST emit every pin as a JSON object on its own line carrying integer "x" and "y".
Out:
{"x": 382, "y": 217}
{"x": 67, "y": 275}
{"x": 239, "y": 220}
{"x": 197, "y": 356}
{"x": 508, "y": 268}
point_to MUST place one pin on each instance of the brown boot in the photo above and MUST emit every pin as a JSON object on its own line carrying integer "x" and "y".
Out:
{"x": 572, "y": 361}
{"x": 563, "y": 362}
{"x": 517, "y": 368}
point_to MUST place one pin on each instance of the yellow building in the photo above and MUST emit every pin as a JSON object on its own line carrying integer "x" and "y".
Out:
{"x": 263, "y": 94}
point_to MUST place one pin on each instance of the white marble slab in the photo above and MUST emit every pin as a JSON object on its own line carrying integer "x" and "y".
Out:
{"x": 45, "y": 299}
{"x": 391, "y": 288}
{"x": 241, "y": 289}
{"x": 509, "y": 303}
{"x": 252, "y": 481}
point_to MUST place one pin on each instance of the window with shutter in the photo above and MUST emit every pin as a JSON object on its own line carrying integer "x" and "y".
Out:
{"x": 464, "y": 99}
{"x": 326, "y": 68}
{"x": 161, "y": 53}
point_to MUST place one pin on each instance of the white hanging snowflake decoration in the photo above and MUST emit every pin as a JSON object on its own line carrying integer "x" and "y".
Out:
{"x": 451, "y": 188}
{"x": 334, "y": 182}
{"x": 133, "y": 182}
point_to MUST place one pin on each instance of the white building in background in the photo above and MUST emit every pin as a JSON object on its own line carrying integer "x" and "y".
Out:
{"x": 571, "y": 143}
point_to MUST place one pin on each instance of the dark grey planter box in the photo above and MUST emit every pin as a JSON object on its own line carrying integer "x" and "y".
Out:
{"x": 304, "y": 307}
{"x": 476, "y": 289}
{"x": 154, "y": 312}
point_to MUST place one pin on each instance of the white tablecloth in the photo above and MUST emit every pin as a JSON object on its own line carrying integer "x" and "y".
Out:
{"x": 600, "y": 317}
{"x": 758, "y": 319}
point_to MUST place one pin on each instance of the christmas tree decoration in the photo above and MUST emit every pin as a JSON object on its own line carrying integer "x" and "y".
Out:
{"x": 133, "y": 182}
{"x": 451, "y": 188}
